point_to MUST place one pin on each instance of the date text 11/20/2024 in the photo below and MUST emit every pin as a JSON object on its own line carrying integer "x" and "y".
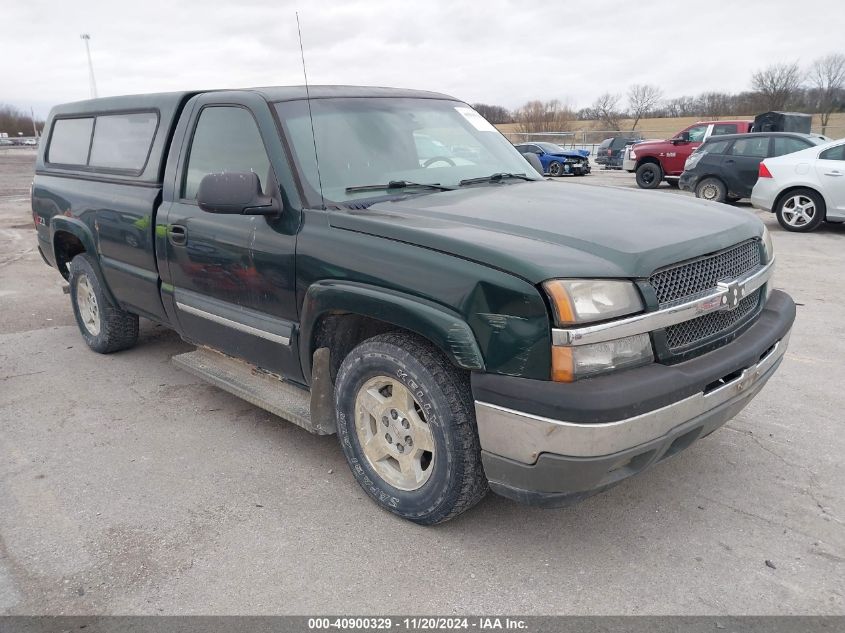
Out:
{"x": 417, "y": 623}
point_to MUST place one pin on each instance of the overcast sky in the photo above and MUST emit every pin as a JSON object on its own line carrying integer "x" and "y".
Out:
{"x": 496, "y": 51}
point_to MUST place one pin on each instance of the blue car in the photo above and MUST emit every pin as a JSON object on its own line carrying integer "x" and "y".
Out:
{"x": 557, "y": 161}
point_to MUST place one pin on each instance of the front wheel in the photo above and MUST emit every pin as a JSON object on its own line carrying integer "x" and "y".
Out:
{"x": 406, "y": 424}
{"x": 555, "y": 168}
{"x": 800, "y": 211}
{"x": 649, "y": 176}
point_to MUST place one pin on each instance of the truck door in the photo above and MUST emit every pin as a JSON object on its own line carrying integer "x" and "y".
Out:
{"x": 230, "y": 277}
{"x": 673, "y": 162}
{"x": 742, "y": 163}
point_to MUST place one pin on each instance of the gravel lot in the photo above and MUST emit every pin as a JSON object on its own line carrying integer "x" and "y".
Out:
{"x": 127, "y": 486}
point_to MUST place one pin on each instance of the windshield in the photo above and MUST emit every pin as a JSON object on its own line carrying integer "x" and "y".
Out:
{"x": 379, "y": 141}
{"x": 550, "y": 148}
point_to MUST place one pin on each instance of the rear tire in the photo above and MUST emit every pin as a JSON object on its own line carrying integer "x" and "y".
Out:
{"x": 406, "y": 424}
{"x": 105, "y": 327}
{"x": 649, "y": 176}
{"x": 800, "y": 211}
{"x": 711, "y": 189}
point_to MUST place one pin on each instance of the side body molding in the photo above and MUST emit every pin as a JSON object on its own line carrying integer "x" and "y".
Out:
{"x": 444, "y": 328}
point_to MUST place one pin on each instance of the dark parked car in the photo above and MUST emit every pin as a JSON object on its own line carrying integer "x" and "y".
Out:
{"x": 557, "y": 161}
{"x": 611, "y": 150}
{"x": 724, "y": 168}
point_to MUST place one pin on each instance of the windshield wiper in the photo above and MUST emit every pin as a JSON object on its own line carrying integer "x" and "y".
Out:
{"x": 398, "y": 184}
{"x": 498, "y": 177}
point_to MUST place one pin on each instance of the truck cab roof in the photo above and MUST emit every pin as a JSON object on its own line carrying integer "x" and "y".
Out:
{"x": 166, "y": 108}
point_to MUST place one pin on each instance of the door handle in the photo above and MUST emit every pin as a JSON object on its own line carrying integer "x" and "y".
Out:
{"x": 177, "y": 234}
{"x": 729, "y": 161}
{"x": 833, "y": 173}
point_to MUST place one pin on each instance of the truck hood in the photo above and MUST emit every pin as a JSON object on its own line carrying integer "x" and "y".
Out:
{"x": 651, "y": 143}
{"x": 540, "y": 230}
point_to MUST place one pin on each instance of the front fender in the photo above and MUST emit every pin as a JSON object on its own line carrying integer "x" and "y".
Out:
{"x": 446, "y": 329}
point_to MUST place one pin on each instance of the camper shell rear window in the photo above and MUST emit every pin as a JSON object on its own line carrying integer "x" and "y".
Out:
{"x": 114, "y": 142}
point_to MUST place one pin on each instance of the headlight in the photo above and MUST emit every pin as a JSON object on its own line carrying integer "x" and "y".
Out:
{"x": 587, "y": 300}
{"x": 769, "y": 254}
{"x": 768, "y": 249}
{"x": 572, "y": 363}
{"x": 692, "y": 161}
{"x": 632, "y": 154}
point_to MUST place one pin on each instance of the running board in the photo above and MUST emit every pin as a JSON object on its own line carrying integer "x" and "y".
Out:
{"x": 263, "y": 389}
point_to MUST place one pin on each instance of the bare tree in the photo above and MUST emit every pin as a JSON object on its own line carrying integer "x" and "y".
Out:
{"x": 642, "y": 99}
{"x": 14, "y": 121}
{"x": 714, "y": 104}
{"x": 544, "y": 116}
{"x": 777, "y": 84}
{"x": 493, "y": 113}
{"x": 680, "y": 106}
{"x": 606, "y": 110}
{"x": 827, "y": 76}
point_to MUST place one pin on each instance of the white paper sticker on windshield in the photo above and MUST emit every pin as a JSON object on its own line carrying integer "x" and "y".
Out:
{"x": 478, "y": 121}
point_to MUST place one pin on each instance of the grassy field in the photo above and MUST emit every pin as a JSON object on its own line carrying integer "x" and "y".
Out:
{"x": 667, "y": 127}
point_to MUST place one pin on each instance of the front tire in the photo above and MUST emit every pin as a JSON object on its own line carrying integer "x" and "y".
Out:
{"x": 406, "y": 424}
{"x": 711, "y": 189}
{"x": 800, "y": 211}
{"x": 555, "y": 168}
{"x": 649, "y": 176}
{"x": 104, "y": 326}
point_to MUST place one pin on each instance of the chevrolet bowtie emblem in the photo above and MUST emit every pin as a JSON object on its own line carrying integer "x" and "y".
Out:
{"x": 733, "y": 293}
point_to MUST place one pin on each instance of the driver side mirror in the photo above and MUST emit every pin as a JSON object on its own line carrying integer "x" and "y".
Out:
{"x": 683, "y": 137}
{"x": 236, "y": 193}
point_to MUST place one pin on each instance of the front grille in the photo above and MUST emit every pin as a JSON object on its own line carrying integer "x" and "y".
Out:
{"x": 684, "y": 281}
{"x": 703, "y": 327}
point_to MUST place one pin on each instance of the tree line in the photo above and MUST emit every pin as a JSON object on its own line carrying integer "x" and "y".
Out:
{"x": 16, "y": 122}
{"x": 817, "y": 89}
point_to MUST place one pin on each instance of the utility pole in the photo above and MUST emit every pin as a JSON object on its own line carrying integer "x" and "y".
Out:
{"x": 34, "y": 129}
{"x": 92, "y": 84}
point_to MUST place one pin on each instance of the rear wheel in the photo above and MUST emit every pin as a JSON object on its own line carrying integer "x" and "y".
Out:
{"x": 406, "y": 424}
{"x": 649, "y": 176}
{"x": 105, "y": 327}
{"x": 711, "y": 189}
{"x": 801, "y": 210}
{"x": 555, "y": 168}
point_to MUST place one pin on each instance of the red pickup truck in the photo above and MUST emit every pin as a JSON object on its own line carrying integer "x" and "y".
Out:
{"x": 655, "y": 161}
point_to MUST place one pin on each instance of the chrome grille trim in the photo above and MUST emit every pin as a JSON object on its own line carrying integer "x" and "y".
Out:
{"x": 682, "y": 281}
{"x": 714, "y": 301}
{"x": 709, "y": 325}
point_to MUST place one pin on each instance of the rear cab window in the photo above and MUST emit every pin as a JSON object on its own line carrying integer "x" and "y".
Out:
{"x": 70, "y": 141}
{"x": 122, "y": 141}
{"x": 118, "y": 142}
{"x": 723, "y": 128}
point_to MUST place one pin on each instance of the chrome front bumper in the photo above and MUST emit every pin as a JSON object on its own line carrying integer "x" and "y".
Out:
{"x": 523, "y": 437}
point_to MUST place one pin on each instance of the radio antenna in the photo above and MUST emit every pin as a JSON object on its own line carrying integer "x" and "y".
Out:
{"x": 310, "y": 115}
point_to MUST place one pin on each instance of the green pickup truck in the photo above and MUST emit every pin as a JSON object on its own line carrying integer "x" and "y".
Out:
{"x": 384, "y": 265}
